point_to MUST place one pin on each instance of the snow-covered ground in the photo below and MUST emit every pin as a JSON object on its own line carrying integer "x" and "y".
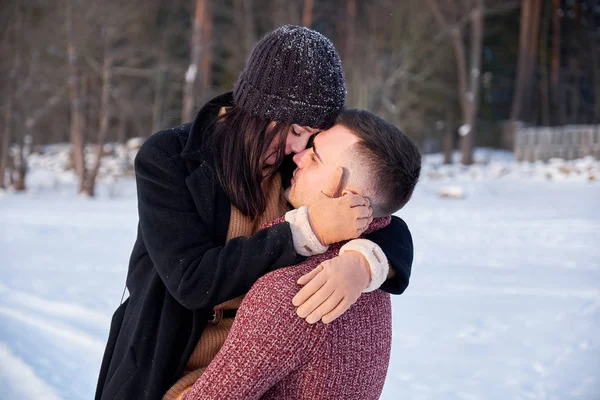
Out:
{"x": 503, "y": 303}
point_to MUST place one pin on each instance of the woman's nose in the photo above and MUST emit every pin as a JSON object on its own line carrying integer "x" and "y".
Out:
{"x": 298, "y": 145}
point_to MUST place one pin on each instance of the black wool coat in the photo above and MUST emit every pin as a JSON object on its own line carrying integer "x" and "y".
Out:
{"x": 181, "y": 266}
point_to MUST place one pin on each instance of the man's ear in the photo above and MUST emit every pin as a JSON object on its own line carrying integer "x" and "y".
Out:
{"x": 343, "y": 182}
{"x": 335, "y": 184}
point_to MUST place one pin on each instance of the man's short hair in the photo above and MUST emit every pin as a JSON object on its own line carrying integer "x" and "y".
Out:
{"x": 390, "y": 158}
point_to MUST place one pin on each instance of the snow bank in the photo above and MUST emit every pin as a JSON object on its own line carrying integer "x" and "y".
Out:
{"x": 498, "y": 164}
{"x": 51, "y": 166}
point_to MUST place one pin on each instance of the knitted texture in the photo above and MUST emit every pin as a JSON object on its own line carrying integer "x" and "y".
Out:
{"x": 214, "y": 336}
{"x": 294, "y": 75}
{"x": 271, "y": 353}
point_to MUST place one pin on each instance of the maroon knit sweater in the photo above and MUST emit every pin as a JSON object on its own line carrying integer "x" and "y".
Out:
{"x": 271, "y": 353}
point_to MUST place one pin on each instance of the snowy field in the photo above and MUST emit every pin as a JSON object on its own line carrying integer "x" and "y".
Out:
{"x": 503, "y": 303}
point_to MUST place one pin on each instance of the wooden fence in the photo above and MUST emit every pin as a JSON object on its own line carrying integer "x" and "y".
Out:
{"x": 567, "y": 142}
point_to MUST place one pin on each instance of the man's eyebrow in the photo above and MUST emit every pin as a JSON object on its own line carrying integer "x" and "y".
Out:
{"x": 314, "y": 147}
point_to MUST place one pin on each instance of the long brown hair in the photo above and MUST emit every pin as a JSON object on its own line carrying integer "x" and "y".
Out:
{"x": 238, "y": 143}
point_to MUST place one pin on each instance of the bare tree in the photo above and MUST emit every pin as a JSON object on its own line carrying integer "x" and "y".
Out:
{"x": 348, "y": 54}
{"x": 20, "y": 162}
{"x": 74, "y": 84}
{"x": 405, "y": 71}
{"x": 199, "y": 51}
{"x": 528, "y": 38}
{"x": 544, "y": 78}
{"x": 8, "y": 95}
{"x": 5, "y": 143}
{"x": 285, "y": 12}
{"x": 555, "y": 66}
{"x": 307, "y": 13}
{"x": 132, "y": 86}
{"x": 454, "y": 17}
{"x": 596, "y": 74}
{"x": 89, "y": 183}
{"x": 82, "y": 93}
{"x": 448, "y": 141}
{"x": 207, "y": 59}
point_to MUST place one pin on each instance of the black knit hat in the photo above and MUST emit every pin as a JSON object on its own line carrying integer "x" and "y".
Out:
{"x": 293, "y": 75}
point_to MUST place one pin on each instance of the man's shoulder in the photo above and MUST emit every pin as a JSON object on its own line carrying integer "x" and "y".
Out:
{"x": 272, "y": 296}
{"x": 276, "y": 289}
{"x": 283, "y": 280}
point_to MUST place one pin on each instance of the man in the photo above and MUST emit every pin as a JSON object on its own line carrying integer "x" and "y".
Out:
{"x": 272, "y": 354}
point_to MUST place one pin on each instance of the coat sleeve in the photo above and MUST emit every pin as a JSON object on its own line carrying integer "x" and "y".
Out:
{"x": 396, "y": 242}
{"x": 266, "y": 343}
{"x": 179, "y": 237}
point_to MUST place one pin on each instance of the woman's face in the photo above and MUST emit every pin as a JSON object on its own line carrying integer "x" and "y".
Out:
{"x": 296, "y": 141}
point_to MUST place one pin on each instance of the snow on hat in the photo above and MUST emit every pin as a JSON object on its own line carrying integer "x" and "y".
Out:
{"x": 294, "y": 75}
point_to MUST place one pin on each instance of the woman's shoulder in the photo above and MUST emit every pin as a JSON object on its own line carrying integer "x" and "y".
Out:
{"x": 169, "y": 142}
{"x": 163, "y": 151}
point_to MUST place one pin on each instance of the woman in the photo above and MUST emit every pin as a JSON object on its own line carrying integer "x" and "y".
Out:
{"x": 204, "y": 189}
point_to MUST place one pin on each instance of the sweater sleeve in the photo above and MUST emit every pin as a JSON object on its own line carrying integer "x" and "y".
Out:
{"x": 266, "y": 343}
{"x": 396, "y": 242}
{"x": 178, "y": 233}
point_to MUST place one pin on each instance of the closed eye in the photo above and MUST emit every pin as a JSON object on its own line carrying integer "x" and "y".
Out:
{"x": 296, "y": 133}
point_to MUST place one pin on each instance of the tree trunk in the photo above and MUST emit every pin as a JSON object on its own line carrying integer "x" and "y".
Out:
{"x": 21, "y": 170}
{"x": 74, "y": 83}
{"x": 284, "y": 12}
{"x": 307, "y": 13}
{"x": 528, "y": 38}
{"x": 207, "y": 57}
{"x": 544, "y": 81}
{"x": 472, "y": 96}
{"x": 350, "y": 30}
{"x": 280, "y": 10}
{"x": 159, "y": 94}
{"x": 249, "y": 25}
{"x": 573, "y": 91}
{"x": 190, "y": 86}
{"x": 534, "y": 32}
{"x": 522, "y": 77}
{"x": 7, "y": 131}
{"x": 9, "y": 92}
{"x": 105, "y": 116}
{"x": 596, "y": 75}
{"x": 122, "y": 128}
{"x": 158, "y": 105}
{"x": 468, "y": 80}
{"x": 448, "y": 141}
{"x": 6, "y": 134}
{"x": 83, "y": 124}
{"x": 87, "y": 91}
{"x": 350, "y": 38}
{"x": 555, "y": 74}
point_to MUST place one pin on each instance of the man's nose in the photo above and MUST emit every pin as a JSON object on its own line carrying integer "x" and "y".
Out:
{"x": 298, "y": 158}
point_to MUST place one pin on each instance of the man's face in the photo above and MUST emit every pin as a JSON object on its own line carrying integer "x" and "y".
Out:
{"x": 317, "y": 166}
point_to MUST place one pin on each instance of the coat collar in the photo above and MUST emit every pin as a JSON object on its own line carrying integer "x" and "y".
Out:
{"x": 204, "y": 120}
